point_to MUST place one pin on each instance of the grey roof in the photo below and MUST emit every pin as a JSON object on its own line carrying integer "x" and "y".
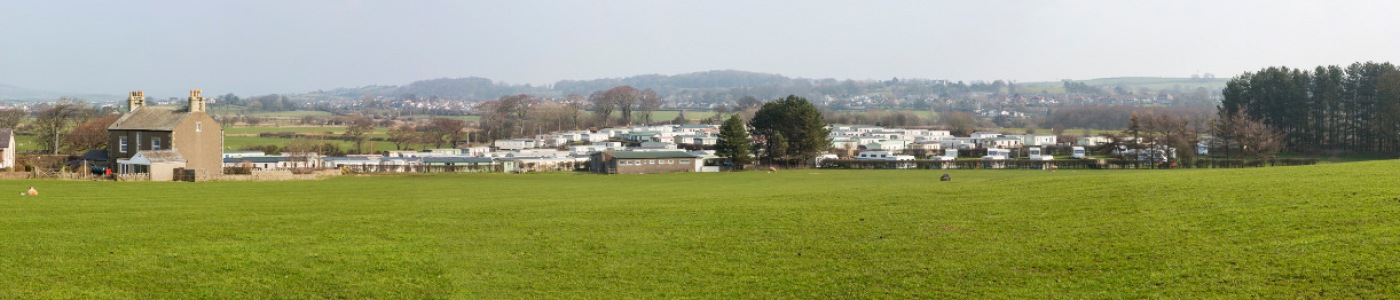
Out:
{"x": 5, "y": 135}
{"x": 161, "y": 156}
{"x": 256, "y": 159}
{"x": 95, "y": 155}
{"x": 150, "y": 118}
{"x": 651, "y": 154}
{"x": 348, "y": 159}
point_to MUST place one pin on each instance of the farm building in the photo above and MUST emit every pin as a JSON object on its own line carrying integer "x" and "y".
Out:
{"x": 643, "y": 162}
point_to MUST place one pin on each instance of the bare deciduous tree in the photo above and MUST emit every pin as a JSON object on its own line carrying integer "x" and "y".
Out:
{"x": 575, "y": 104}
{"x": 10, "y": 118}
{"x": 602, "y": 107}
{"x": 403, "y": 135}
{"x": 447, "y": 130}
{"x": 960, "y": 123}
{"x": 89, "y": 136}
{"x": 52, "y": 123}
{"x": 625, "y": 99}
{"x": 356, "y": 128}
{"x": 649, "y": 102}
{"x": 1251, "y": 137}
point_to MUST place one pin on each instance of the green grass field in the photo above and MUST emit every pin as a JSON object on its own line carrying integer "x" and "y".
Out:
{"x": 232, "y": 143}
{"x": 1326, "y": 231}
{"x": 297, "y": 129}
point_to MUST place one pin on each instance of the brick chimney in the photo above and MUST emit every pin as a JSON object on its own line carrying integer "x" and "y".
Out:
{"x": 196, "y": 100}
{"x": 135, "y": 100}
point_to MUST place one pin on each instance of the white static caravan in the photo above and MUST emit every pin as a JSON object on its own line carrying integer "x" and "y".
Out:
{"x": 901, "y": 161}
{"x": 948, "y": 155}
{"x": 1039, "y": 139}
{"x": 995, "y": 158}
{"x": 515, "y": 144}
{"x": 1078, "y": 152}
{"x": 997, "y": 154}
{"x": 1036, "y": 154}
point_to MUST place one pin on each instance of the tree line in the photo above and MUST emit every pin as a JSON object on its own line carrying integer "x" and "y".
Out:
{"x": 524, "y": 115}
{"x": 67, "y": 126}
{"x": 1355, "y": 108}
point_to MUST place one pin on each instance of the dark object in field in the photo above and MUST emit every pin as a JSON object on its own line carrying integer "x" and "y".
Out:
{"x": 945, "y": 177}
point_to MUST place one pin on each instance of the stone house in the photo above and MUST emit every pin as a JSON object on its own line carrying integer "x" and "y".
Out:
{"x": 189, "y": 131}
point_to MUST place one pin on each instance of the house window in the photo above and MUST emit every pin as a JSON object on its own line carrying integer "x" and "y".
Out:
{"x": 122, "y": 144}
{"x": 198, "y": 126}
{"x": 685, "y": 161}
{"x": 155, "y": 144}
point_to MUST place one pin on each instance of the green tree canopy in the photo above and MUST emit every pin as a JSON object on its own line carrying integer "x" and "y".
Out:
{"x": 800, "y": 124}
{"x": 733, "y": 142}
{"x": 1354, "y": 108}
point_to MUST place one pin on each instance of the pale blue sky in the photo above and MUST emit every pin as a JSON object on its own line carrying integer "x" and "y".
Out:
{"x": 259, "y": 47}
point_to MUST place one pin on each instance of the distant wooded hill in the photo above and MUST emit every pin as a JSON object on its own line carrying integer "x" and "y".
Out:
{"x": 728, "y": 85}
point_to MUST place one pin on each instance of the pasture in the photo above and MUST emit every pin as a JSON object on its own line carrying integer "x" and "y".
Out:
{"x": 1325, "y": 231}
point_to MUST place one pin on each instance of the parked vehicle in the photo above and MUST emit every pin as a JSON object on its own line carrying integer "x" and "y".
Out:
{"x": 1078, "y": 153}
